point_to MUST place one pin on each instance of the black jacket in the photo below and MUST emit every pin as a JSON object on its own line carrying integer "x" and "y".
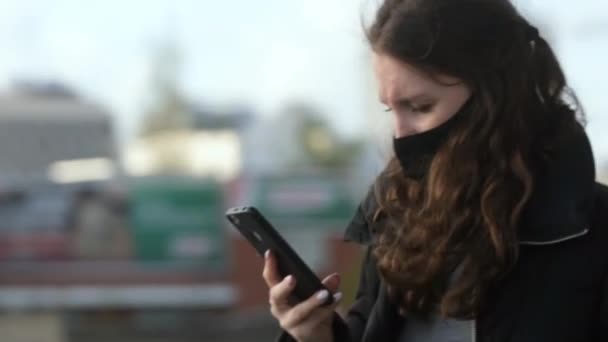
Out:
{"x": 558, "y": 290}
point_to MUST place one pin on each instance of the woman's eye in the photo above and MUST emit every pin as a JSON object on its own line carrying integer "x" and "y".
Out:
{"x": 423, "y": 109}
{"x": 408, "y": 107}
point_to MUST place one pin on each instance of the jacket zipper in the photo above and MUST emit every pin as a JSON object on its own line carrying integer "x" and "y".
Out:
{"x": 552, "y": 242}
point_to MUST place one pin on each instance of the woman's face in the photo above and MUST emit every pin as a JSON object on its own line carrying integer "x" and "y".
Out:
{"x": 418, "y": 102}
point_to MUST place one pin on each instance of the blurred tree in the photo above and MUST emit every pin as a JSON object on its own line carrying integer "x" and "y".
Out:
{"x": 316, "y": 143}
{"x": 168, "y": 121}
{"x": 169, "y": 109}
{"x": 603, "y": 173}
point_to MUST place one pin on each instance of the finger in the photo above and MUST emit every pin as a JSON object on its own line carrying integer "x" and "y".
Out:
{"x": 332, "y": 282}
{"x": 279, "y": 293}
{"x": 316, "y": 319}
{"x": 302, "y": 311}
{"x": 270, "y": 273}
{"x": 323, "y": 314}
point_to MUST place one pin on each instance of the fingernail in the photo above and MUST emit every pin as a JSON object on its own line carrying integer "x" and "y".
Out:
{"x": 267, "y": 253}
{"x": 323, "y": 295}
{"x": 337, "y": 296}
{"x": 289, "y": 280}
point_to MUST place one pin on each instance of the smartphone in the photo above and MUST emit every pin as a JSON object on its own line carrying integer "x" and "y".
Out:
{"x": 262, "y": 236}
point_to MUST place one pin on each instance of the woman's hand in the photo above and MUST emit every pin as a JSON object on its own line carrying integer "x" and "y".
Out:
{"x": 307, "y": 321}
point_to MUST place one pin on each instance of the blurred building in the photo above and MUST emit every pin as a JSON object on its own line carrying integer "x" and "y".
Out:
{"x": 49, "y": 134}
{"x": 210, "y": 145}
{"x": 53, "y": 146}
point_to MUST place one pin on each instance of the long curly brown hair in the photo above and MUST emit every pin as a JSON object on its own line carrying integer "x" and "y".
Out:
{"x": 465, "y": 214}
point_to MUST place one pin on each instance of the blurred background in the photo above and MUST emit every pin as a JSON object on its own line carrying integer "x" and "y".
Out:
{"x": 127, "y": 128}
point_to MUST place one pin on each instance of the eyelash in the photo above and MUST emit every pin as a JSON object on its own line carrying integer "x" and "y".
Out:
{"x": 422, "y": 109}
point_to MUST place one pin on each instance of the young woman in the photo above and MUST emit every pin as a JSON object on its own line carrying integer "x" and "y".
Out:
{"x": 487, "y": 225}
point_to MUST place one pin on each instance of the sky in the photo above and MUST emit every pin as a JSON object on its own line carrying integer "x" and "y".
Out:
{"x": 258, "y": 53}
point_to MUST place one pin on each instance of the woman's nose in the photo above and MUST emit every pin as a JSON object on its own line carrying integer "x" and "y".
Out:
{"x": 402, "y": 128}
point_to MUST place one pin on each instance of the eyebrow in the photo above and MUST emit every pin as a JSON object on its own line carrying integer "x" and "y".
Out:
{"x": 409, "y": 100}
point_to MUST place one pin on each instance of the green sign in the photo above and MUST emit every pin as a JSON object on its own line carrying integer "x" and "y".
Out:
{"x": 178, "y": 219}
{"x": 304, "y": 199}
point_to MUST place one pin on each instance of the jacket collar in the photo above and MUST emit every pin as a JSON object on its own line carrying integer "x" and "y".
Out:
{"x": 559, "y": 208}
{"x": 561, "y": 203}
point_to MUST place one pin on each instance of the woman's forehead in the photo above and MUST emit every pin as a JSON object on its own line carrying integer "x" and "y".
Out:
{"x": 399, "y": 79}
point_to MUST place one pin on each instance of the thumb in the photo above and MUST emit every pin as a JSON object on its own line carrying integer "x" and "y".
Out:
{"x": 332, "y": 282}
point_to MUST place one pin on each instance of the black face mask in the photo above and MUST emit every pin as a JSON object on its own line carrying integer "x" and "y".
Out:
{"x": 416, "y": 152}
